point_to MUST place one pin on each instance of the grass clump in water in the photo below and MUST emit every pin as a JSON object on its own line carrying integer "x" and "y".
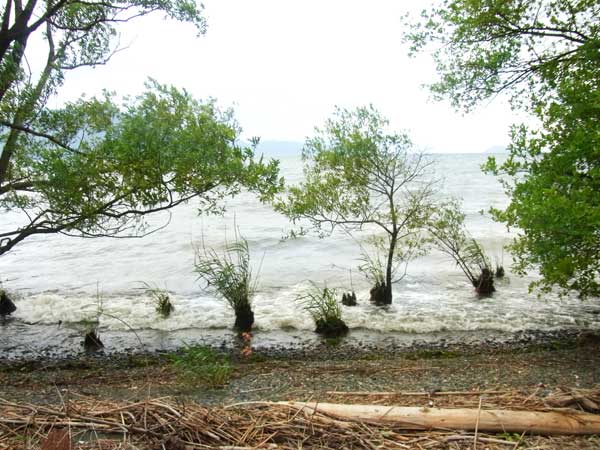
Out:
{"x": 161, "y": 298}
{"x": 230, "y": 276}
{"x": 325, "y": 310}
{"x": 199, "y": 364}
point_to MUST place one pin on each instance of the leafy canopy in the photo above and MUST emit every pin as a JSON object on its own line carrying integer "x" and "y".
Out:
{"x": 546, "y": 55}
{"x": 155, "y": 151}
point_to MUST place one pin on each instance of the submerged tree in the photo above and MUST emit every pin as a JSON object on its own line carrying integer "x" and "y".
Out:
{"x": 93, "y": 167}
{"x": 546, "y": 55}
{"x": 358, "y": 176}
{"x": 450, "y": 237}
{"x": 230, "y": 277}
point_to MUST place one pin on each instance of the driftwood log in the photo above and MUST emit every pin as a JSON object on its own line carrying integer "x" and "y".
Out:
{"x": 495, "y": 421}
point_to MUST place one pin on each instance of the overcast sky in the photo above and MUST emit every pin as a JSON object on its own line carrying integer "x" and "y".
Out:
{"x": 283, "y": 65}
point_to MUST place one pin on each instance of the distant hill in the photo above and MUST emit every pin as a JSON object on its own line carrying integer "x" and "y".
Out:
{"x": 497, "y": 149}
{"x": 282, "y": 148}
{"x": 274, "y": 148}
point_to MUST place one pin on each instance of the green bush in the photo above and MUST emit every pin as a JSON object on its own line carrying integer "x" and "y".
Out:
{"x": 199, "y": 364}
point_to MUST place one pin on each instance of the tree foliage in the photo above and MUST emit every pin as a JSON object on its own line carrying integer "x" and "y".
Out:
{"x": 356, "y": 176}
{"x": 484, "y": 47}
{"x": 546, "y": 54}
{"x": 96, "y": 167}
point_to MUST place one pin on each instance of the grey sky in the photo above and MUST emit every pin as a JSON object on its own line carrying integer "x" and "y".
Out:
{"x": 283, "y": 65}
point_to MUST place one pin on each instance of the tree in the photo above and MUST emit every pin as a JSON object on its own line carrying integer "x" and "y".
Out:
{"x": 546, "y": 55}
{"x": 94, "y": 167}
{"x": 357, "y": 176}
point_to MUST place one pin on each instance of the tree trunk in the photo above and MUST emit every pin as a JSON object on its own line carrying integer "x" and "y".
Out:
{"x": 485, "y": 283}
{"x": 493, "y": 421}
{"x": 244, "y": 319}
{"x": 390, "y": 263}
{"x": 381, "y": 294}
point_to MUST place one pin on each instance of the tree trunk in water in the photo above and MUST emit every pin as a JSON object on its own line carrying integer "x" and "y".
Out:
{"x": 92, "y": 341}
{"x": 381, "y": 294}
{"x": 485, "y": 283}
{"x": 386, "y": 296}
{"x": 349, "y": 299}
{"x": 6, "y": 305}
{"x": 244, "y": 319}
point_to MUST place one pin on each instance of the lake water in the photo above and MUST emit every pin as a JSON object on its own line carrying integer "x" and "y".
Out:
{"x": 67, "y": 279}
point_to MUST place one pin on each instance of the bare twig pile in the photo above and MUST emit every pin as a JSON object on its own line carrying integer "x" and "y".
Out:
{"x": 170, "y": 425}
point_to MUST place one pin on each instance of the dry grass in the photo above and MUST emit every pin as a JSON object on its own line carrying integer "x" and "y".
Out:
{"x": 164, "y": 423}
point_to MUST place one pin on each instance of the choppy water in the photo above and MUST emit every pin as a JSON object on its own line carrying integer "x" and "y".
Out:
{"x": 59, "y": 278}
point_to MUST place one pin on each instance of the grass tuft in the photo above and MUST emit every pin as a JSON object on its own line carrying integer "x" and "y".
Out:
{"x": 162, "y": 299}
{"x": 230, "y": 276}
{"x": 199, "y": 364}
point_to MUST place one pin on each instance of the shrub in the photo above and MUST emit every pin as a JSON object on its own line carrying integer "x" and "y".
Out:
{"x": 202, "y": 365}
{"x": 373, "y": 269}
{"x": 325, "y": 310}
{"x": 450, "y": 236}
{"x": 481, "y": 268}
{"x": 230, "y": 277}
